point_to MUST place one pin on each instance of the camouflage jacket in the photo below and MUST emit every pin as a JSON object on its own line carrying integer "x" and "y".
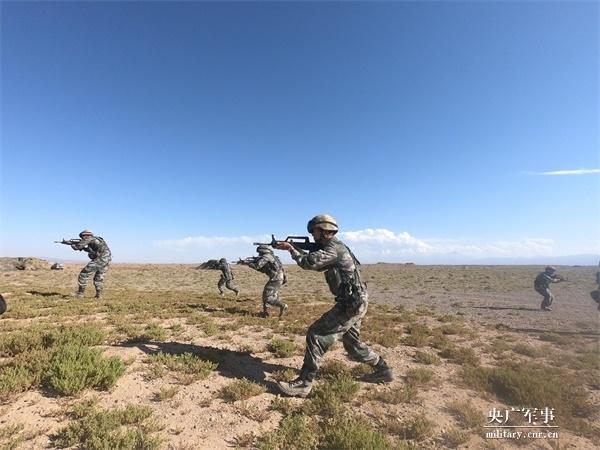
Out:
{"x": 225, "y": 269}
{"x": 543, "y": 280}
{"x": 270, "y": 265}
{"x": 342, "y": 269}
{"x": 95, "y": 247}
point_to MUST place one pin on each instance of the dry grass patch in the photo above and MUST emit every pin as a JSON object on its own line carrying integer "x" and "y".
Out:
{"x": 252, "y": 412}
{"x": 166, "y": 393}
{"x": 532, "y": 385}
{"x": 527, "y": 350}
{"x": 467, "y": 416}
{"x": 455, "y": 437}
{"x": 416, "y": 428}
{"x": 396, "y": 395}
{"x": 419, "y": 377}
{"x": 426, "y": 358}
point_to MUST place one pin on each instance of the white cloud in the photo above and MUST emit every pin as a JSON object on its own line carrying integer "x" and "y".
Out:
{"x": 370, "y": 245}
{"x": 385, "y": 245}
{"x": 209, "y": 242}
{"x": 567, "y": 172}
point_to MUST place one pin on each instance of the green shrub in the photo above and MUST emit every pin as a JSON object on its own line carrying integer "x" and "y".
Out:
{"x": 282, "y": 348}
{"x": 241, "y": 390}
{"x": 460, "y": 355}
{"x": 332, "y": 368}
{"x": 352, "y": 432}
{"x": 187, "y": 367}
{"x": 284, "y": 375}
{"x": 103, "y": 429}
{"x": 296, "y": 432}
{"x": 328, "y": 398}
{"x": 74, "y": 368}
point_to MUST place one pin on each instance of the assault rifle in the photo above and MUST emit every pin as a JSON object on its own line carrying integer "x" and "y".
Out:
{"x": 300, "y": 243}
{"x": 246, "y": 261}
{"x": 69, "y": 241}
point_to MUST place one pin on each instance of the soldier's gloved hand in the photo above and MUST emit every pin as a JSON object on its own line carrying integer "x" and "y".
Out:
{"x": 282, "y": 245}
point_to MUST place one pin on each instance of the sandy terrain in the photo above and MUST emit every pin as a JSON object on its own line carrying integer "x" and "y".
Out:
{"x": 489, "y": 310}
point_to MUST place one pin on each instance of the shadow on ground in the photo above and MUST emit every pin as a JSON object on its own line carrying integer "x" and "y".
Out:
{"x": 232, "y": 364}
{"x": 48, "y": 294}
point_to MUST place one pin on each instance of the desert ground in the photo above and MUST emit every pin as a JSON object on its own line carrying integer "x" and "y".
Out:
{"x": 162, "y": 361}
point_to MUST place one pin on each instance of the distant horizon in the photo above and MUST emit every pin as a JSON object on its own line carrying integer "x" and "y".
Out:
{"x": 584, "y": 260}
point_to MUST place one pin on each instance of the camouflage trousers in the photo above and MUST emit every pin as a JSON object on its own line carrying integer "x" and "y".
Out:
{"x": 270, "y": 296}
{"x": 339, "y": 322}
{"x": 548, "y": 297}
{"x": 228, "y": 284}
{"x": 97, "y": 267}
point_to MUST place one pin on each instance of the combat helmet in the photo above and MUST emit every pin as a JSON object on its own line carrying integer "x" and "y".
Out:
{"x": 264, "y": 249}
{"x": 550, "y": 269}
{"x": 222, "y": 260}
{"x": 323, "y": 221}
{"x": 85, "y": 233}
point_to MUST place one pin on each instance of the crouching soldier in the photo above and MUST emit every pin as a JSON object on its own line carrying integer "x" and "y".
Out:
{"x": 343, "y": 321}
{"x": 100, "y": 257}
{"x": 270, "y": 265}
{"x": 226, "y": 277}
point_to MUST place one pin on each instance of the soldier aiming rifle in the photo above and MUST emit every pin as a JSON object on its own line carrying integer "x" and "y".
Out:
{"x": 100, "y": 257}
{"x": 270, "y": 265}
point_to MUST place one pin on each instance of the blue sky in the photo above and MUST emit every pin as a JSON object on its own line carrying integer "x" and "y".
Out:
{"x": 181, "y": 131}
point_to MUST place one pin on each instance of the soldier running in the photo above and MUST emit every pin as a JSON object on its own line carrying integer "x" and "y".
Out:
{"x": 343, "y": 321}
{"x": 270, "y": 265}
{"x": 542, "y": 284}
{"x": 226, "y": 277}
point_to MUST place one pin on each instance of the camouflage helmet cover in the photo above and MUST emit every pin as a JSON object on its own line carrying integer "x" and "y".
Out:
{"x": 550, "y": 269}
{"x": 323, "y": 221}
{"x": 86, "y": 233}
{"x": 263, "y": 249}
{"x": 222, "y": 260}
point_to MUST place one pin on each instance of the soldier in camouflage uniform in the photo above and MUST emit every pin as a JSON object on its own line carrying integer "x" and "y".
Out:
{"x": 343, "y": 321}
{"x": 596, "y": 293}
{"x": 100, "y": 256}
{"x": 271, "y": 265}
{"x": 542, "y": 284}
{"x": 226, "y": 277}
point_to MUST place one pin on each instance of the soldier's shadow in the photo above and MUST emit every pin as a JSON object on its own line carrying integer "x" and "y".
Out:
{"x": 502, "y": 308}
{"x": 231, "y": 364}
{"x": 229, "y": 309}
{"x": 48, "y": 294}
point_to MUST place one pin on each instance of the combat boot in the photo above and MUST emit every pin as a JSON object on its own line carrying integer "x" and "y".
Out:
{"x": 382, "y": 373}
{"x": 79, "y": 293}
{"x": 98, "y": 295}
{"x": 296, "y": 388}
{"x": 282, "y": 310}
{"x": 546, "y": 308}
